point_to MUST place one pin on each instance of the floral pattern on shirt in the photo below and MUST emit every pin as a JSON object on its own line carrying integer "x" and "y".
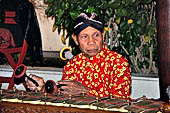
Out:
{"x": 107, "y": 73}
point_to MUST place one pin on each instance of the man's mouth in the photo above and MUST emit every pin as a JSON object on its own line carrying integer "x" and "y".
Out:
{"x": 92, "y": 50}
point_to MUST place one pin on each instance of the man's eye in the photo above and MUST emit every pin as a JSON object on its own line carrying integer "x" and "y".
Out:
{"x": 85, "y": 36}
{"x": 96, "y": 35}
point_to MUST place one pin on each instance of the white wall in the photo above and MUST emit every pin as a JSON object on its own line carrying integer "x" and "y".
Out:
{"x": 145, "y": 86}
{"x": 140, "y": 85}
{"x": 51, "y": 41}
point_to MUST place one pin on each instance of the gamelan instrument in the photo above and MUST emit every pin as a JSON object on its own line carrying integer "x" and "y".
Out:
{"x": 13, "y": 101}
{"x": 20, "y": 75}
{"x": 50, "y": 87}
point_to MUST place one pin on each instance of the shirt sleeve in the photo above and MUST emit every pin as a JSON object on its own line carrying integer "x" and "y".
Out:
{"x": 68, "y": 71}
{"x": 65, "y": 72}
{"x": 101, "y": 92}
{"x": 121, "y": 81}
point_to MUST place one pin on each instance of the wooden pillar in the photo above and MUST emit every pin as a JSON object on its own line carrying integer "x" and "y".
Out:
{"x": 163, "y": 28}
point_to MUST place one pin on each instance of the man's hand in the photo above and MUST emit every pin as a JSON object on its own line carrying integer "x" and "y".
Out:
{"x": 71, "y": 87}
{"x": 32, "y": 86}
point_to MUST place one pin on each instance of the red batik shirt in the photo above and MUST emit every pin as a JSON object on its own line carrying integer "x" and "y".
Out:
{"x": 106, "y": 73}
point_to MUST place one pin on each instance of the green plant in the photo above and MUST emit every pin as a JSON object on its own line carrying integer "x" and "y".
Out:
{"x": 130, "y": 25}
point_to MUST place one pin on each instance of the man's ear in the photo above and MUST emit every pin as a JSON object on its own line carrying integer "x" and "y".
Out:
{"x": 75, "y": 39}
{"x": 103, "y": 34}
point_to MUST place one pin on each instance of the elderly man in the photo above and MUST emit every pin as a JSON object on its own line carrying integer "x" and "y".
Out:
{"x": 96, "y": 70}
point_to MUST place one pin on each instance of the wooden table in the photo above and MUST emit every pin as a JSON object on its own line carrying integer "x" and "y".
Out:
{"x": 12, "y": 107}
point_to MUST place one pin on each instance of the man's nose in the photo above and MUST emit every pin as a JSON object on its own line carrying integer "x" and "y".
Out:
{"x": 91, "y": 41}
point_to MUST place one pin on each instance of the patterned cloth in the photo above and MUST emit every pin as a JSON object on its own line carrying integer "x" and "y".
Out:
{"x": 107, "y": 73}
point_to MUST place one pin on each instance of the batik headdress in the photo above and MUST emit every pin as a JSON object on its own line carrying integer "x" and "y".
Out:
{"x": 87, "y": 19}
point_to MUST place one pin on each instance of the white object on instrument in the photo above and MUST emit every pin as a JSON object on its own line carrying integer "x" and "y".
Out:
{"x": 66, "y": 54}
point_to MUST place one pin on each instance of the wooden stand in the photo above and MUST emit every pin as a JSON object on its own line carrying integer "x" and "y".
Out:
{"x": 12, "y": 107}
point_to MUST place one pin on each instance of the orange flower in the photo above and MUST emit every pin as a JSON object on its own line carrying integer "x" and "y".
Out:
{"x": 130, "y": 21}
{"x": 106, "y": 28}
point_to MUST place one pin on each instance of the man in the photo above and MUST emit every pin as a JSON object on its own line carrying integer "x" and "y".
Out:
{"x": 97, "y": 70}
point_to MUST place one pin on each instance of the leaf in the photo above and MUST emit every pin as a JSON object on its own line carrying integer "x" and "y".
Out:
{"x": 138, "y": 43}
{"x": 59, "y": 29}
{"x": 58, "y": 21}
{"x": 128, "y": 36}
{"x": 136, "y": 2}
{"x": 84, "y": 3}
{"x": 54, "y": 28}
{"x": 114, "y": 4}
{"x": 146, "y": 1}
{"x": 90, "y": 9}
{"x": 134, "y": 33}
{"x": 67, "y": 23}
{"x": 48, "y": 1}
{"x": 61, "y": 12}
{"x": 131, "y": 49}
{"x": 74, "y": 14}
{"x": 109, "y": 12}
{"x": 117, "y": 20}
{"x": 49, "y": 10}
{"x": 126, "y": 2}
{"x": 63, "y": 39}
{"x": 124, "y": 26}
{"x": 121, "y": 12}
{"x": 141, "y": 20}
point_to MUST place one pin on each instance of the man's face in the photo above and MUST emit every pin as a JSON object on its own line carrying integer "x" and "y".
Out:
{"x": 90, "y": 41}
